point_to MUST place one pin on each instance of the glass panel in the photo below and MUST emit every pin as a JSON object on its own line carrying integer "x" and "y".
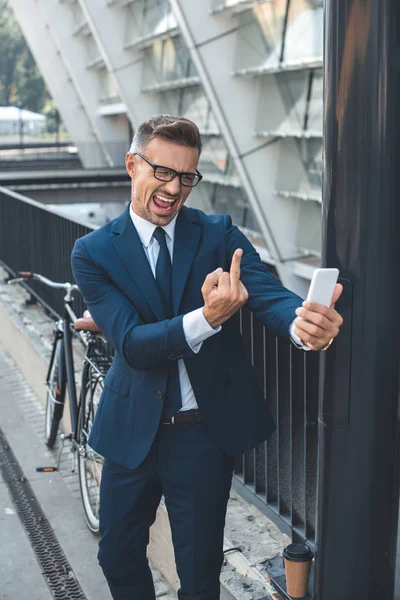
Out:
{"x": 215, "y": 159}
{"x": 92, "y": 50}
{"x": 176, "y": 61}
{"x": 152, "y": 64}
{"x": 157, "y": 17}
{"x": 78, "y": 16}
{"x": 308, "y": 233}
{"x": 145, "y": 18}
{"x": 167, "y": 60}
{"x": 291, "y": 103}
{"x": 293, "y": 92}
{"x": 311, "y": 156}
{"x": 304, "y": 33}
{"x": 195, "y": 106}
{"x": 218, "y": 199}
{"x": 169, "y": 102}
{"x": 232, "y": 201}
{"x": 300, "y": 166}
{"x": 216, "y": 4}
{"x": 259, "y": 40}
{"x": 190, "y": 103}
{"x": 108, "y": 89}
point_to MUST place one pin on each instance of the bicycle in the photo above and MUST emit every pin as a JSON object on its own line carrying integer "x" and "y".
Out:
{"x": 60, "y": 378}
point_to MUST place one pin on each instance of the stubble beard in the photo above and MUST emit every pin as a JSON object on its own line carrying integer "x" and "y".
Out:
{"x": 142, "y": 210}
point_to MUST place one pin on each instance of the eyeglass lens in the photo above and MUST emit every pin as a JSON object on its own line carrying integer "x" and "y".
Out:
{"x": 186, "y": 179}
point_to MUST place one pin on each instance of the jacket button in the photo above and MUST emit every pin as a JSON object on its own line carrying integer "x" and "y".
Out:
{"x": 171, "y": 356}
{"x": 160, "y": 394}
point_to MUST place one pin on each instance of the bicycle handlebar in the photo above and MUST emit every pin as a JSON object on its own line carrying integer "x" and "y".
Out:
{"x": 26, "y": 276}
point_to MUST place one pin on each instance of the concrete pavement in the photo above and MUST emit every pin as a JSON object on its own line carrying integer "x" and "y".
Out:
{"x": 22, "y": 418}
{"x": 18, "y": 564}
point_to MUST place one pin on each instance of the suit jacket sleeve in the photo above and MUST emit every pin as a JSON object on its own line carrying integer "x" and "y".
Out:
{"x": 144, "y": 346}
{"x": 272, "y": 303}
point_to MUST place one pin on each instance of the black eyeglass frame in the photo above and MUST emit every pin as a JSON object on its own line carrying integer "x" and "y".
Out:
{"x": 175, "y": 173}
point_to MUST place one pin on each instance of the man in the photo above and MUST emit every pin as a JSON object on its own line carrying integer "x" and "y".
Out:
{"x": 181, "y": 400}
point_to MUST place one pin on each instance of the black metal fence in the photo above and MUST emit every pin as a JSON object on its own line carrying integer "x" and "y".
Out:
{"x": 278, "y": 476}
{"x": 35, "y": 238}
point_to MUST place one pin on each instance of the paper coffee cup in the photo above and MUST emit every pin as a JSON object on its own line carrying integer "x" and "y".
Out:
{"x": 298, "y": 559}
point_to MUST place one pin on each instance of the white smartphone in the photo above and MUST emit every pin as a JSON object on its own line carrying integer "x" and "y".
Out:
{"x": 322, "y": 286}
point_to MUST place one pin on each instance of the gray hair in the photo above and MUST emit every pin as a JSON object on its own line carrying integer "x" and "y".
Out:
{"x": 177, "y": 130}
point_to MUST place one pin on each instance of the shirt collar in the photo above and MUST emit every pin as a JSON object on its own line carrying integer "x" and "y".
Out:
{"x": 146, "y": 229}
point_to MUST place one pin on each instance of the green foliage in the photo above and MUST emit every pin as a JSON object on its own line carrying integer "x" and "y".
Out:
{"x": 20, "y": 79}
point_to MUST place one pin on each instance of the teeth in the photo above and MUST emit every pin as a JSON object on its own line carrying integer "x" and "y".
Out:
{"x": 164, "y": 199}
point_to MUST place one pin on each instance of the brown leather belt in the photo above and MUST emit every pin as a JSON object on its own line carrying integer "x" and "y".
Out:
{"x": 185, "y": 417}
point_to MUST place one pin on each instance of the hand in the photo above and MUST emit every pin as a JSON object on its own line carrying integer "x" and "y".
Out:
{"x": 318, "y": 324}
{"x": 224, "y": 293}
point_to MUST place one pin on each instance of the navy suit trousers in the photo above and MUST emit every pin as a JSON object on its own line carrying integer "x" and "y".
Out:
{"x": 194, "y": 475}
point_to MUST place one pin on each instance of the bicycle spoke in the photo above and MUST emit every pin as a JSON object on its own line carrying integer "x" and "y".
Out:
{"x": 91, "y": 463}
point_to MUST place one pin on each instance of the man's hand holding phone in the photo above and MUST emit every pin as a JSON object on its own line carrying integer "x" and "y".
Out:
{"x": 318, "y": 324}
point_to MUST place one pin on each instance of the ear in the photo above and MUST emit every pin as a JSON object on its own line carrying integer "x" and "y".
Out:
{"x": 130, "y": 164}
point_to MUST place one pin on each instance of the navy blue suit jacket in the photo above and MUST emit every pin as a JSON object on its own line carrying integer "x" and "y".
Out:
{"x": 117, "y": 284}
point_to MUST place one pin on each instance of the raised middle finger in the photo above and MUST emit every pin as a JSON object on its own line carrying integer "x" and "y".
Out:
{"x": 235, "y": 269}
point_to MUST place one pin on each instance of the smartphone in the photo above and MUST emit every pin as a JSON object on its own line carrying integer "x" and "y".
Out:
{"x": 322, "y": 286}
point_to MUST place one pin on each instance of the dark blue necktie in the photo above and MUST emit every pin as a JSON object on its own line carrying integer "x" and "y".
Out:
{"x": 172, "y": 397}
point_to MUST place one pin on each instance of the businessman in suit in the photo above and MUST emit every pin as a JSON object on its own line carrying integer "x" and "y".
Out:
{"x": 164, "y": 283}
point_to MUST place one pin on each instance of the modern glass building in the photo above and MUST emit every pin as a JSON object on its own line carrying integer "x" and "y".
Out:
{"x": 248, "y": 72}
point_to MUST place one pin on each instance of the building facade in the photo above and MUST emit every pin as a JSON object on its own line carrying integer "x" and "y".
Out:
{"x": 248, "y": 72}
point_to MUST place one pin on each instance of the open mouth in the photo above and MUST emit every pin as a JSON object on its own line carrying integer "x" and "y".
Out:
{"x": 164, "y": 204}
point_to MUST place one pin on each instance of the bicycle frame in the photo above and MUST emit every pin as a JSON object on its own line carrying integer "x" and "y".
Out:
{"x": 69, "y": 319}
{"x": 65, "y": 333}
{"x": 83, "y": 404}
{"x": 67, "y": 370}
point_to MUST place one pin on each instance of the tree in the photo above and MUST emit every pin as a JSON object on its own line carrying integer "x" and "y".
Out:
{"x": 20, "y": 79}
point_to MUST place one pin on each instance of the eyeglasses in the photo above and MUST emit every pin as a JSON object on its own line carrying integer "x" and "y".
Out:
{"x": 167, "y": 174}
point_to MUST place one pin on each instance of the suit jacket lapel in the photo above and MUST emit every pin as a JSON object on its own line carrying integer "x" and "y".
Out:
{"x": 130, "y": 251}
{"x": 186, "y": 240}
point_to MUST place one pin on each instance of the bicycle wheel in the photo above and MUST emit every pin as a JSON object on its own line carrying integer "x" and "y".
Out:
{"x": 55, "y": 395}
{"x": 90, "y": 464}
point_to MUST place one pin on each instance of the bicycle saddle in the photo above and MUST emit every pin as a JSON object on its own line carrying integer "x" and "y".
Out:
{"x": 86, "y": 323}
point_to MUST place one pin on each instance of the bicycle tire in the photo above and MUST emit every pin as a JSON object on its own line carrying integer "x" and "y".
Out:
{"x": 55, "y": 396}
{"x": 90, "y": 463}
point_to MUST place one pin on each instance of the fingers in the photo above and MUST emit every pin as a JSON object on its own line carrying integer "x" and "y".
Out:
{"x": 336, "y": 294}
{"x": 224, "y": 284}
{"x": 329, "y": 313}
{"x": 211, "y": 281}
{"x": 228, "y": 284}
{"x": 315, "y": 328}
{"x": 305, "y": 336}
{"x": 244, "y": 294}
{"x": 235, "y": 269}
{"x": 307, "y": 328}
{"x": 319, "y": 314}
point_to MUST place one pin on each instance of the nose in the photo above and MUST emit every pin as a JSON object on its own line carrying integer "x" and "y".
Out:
{"x": 173, "y": 187}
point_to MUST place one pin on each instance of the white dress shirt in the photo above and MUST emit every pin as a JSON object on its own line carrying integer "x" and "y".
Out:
{"x": 195, "y": 326}
{"x": 295, "y": 338}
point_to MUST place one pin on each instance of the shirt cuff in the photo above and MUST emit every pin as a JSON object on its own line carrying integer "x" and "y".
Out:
{"x": 197, "y": 329}
{"x": 295, "y": 338}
